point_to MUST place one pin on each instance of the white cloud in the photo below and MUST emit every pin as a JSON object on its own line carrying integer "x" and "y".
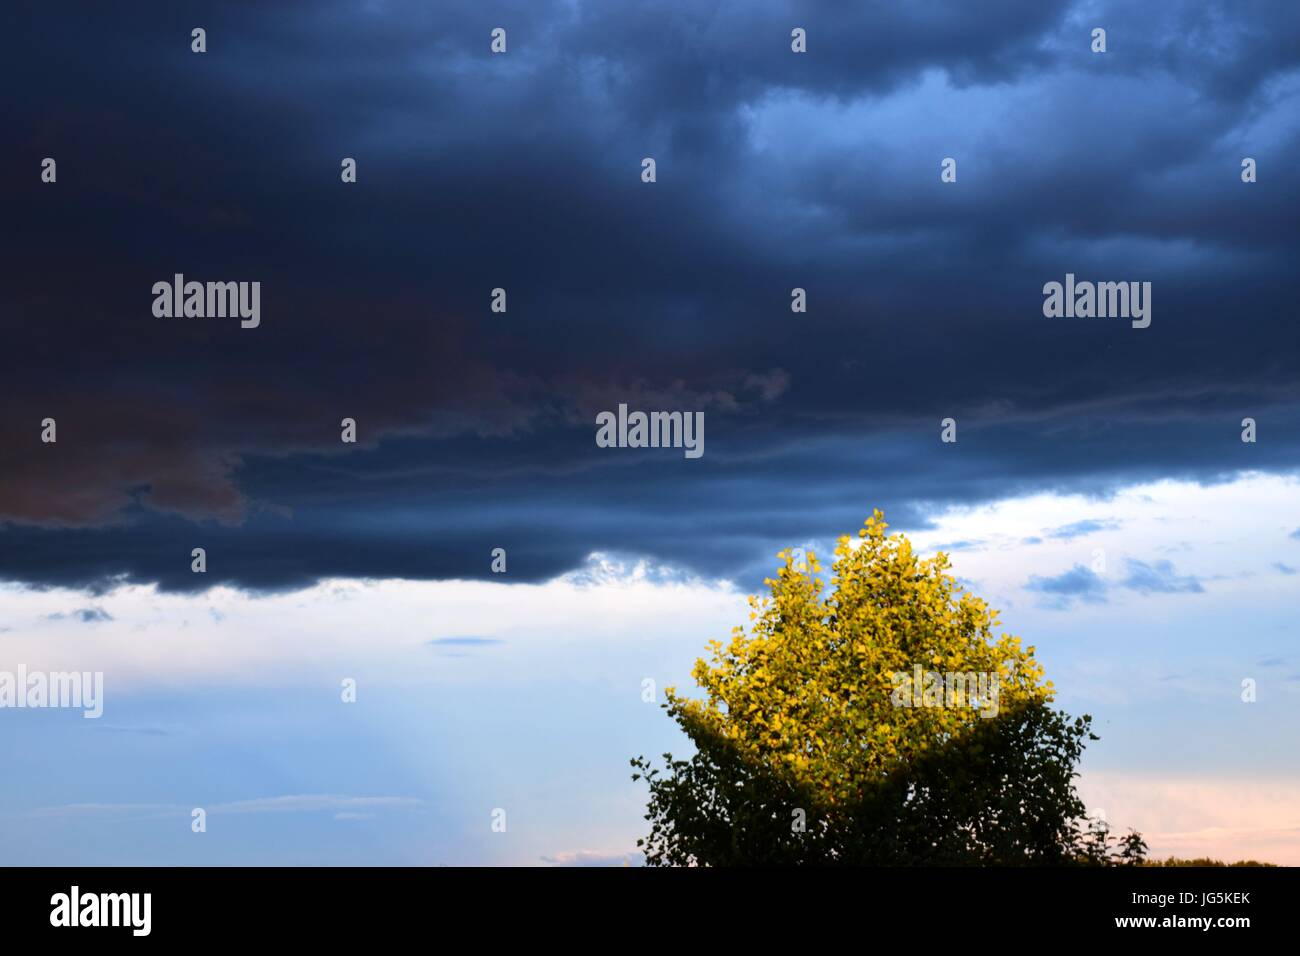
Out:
{"x": 351, "y": 628}
{"x": 1225, "y": 536}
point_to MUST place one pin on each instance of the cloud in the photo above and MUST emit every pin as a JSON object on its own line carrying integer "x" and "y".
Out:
{"x": 1080, "y": 528}
{"x": 1284, "y": 568}
{"x": 447, "y": 646}
{"x": 479, "y": 434}
{"x": 315, "y": 802}
{"x": 88, "y": 615}
{"x": 310, "y": 634}
{"x": 1158, "y": 577}
{"x": 1083, "y": 584}
{"x": 949, "y": 546}
{"x": 108, "y": 809}
{"x": 142, "y": 731}
{"x": 593, "y": 858}
{"x": 1078, "y": 583}
{"x": 294, "y": 803}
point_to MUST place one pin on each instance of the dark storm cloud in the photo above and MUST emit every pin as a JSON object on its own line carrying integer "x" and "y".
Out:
{"x": 522, "y": 171}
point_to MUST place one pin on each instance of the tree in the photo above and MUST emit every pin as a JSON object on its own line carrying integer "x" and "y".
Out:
{"x": 881, "y": 723}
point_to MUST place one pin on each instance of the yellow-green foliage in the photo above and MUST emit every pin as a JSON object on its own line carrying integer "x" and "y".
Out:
{"x": 808, "y": 690}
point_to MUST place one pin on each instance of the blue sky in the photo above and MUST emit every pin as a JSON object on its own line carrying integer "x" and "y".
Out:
{"x": 776, "y": 170}
{"x": 474, "y": 696}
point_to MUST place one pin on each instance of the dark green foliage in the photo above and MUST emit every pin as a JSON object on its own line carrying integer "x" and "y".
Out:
{"x": 1002, "y": 794}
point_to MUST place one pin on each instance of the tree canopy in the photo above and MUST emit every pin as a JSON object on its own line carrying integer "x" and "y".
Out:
{"x": 878, "y": 720}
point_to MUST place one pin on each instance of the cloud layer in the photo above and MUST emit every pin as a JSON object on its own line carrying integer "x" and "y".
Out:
{"x": 521, "y": 171}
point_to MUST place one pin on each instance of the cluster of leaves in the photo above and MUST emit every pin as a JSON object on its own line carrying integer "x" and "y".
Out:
{"x": 803, "y": 756}
{"x": 1099, "y": 848}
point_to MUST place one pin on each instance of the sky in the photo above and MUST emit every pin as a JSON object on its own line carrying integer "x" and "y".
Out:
{"x": 1099, "y": 491}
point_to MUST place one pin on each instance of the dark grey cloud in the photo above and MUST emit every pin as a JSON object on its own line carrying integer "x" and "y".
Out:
{"x": 521, "y": 171}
